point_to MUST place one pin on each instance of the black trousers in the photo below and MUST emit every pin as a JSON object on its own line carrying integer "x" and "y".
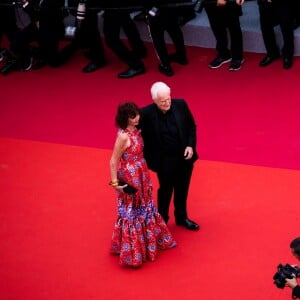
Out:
{"x": 166, "y": 21}
{"x": 7, "y": 23}
{"x": 174, "y": 178}
{"x": 49, "y": 37}
{"x": 114, "y": 21}
{"x": 271, "y": 14}
{"x": 89, "y": 37}
{"x": 221, "y": 19}
{"x": 20, "y": 44}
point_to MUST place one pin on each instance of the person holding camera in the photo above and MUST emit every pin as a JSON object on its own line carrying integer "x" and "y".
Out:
{"x": 161, "y": 20}
{"x": 225, "y": 15}
{"x": 24, "y": 32}
{"x": 51, "y": 31}
{"x": 113, "y": 21}
{"x": 271, "y": 13}
{"x": 292, "y": 283}
{"x": 139, "y": 230}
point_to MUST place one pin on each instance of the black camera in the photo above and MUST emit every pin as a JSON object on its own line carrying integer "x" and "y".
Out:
{"x": 284, "y": 272}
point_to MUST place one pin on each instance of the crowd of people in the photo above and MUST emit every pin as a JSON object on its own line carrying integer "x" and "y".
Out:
{"x": 35, "y": 29}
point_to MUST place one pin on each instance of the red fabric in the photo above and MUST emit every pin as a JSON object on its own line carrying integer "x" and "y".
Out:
{"x": 139, "y": 231}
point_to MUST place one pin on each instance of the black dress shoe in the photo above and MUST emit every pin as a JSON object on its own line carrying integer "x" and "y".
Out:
{"x": 91, "y": 67}
{"x": 267, "y": 60}
{"x": 187, "y": 223}
{"x": 182, "y": 60}
{"x": 166, "y": 70}
{"x": 287, "y": 62}
{"x": 131, "y": 72}
{"x": 38, "y": 64}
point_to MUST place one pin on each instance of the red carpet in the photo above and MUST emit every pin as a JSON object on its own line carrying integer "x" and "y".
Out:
{"x": 58, "y": 213}
{"x": 250, "y": 116}
{"x": 57, "y": 210}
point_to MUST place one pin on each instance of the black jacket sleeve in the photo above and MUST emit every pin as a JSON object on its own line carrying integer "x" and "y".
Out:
{"x": 296, "y": 292}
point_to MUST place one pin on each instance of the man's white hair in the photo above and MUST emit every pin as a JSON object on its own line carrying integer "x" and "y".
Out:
{"x": 159, "y": 88}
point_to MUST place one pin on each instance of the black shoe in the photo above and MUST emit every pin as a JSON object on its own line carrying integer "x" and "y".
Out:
{"x": 38, "y": 64}
{"x": 166, "y": 70}
{"x": 236, "y": 64}
{"x": 267, "y": 60}
{"x": 11, "y": 65}
{"x": 219, "y": 61}
{"x": 187, "y": 223}
{"x": 287, "y": 62}
{"x": 92, "y": 67}
{"x": 182, "y": 60}
{"x": 131, "y": 72}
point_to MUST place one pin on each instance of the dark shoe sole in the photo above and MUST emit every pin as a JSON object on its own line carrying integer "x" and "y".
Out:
{"x": 222, "y": 63}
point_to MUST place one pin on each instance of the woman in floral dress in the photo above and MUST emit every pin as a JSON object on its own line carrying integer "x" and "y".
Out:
{"x": 139, "y": 231}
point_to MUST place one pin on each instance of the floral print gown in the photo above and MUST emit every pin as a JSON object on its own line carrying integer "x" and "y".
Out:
{"x": 139, "y": 231}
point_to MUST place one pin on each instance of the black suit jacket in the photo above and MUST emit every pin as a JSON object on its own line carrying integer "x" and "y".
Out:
{"x": 149, "y": 125}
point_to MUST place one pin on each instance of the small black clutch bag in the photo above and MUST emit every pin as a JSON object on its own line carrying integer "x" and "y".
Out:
{"x": 129, "y": 189}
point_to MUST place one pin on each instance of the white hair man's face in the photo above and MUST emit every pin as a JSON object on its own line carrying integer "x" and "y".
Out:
{"x": 163, "y": 101}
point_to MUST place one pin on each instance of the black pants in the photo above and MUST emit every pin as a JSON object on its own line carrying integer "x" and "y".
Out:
{"x": 20, "y": 44}
{"x": 7, "y": 23}
{"x": 49, "y": 38}
{"x": 221, "y": 19}
{"x": 271, "y": 14}
{"x": 114, "y": 21}
{"x": 89, "y": 37}
{"x": 166, "y": 21}
{"x": 174, "y": 178}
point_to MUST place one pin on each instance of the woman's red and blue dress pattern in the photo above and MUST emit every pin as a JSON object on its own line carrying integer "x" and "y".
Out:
{"x": 139, "y": 231}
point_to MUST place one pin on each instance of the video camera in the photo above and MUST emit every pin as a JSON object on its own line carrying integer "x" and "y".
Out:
{"x": 285, "y": 272}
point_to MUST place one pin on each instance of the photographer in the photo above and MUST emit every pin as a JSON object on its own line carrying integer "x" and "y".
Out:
{"x": 25, "y": 31}
{"x": 161, "y": 20}
{"x": 50, "y": 32}
{"x": 292, "y": 283}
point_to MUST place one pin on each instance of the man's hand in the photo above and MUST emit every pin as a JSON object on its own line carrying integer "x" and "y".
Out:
{"x": 188, "y": 153}
{"x": 221, "y": 2}
{"x": 240, "y": 2}
{"x": 291, "y": 282}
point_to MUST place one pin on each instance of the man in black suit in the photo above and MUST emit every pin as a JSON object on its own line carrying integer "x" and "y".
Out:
{"x": 271, "y": 13}
{"x": 20, "y": 35}
{"x": 51, "y": 31}
{"x": 293, "y": 283}
{"x": 114, "y": 21}
{"x": 224, "y": 18}
{"x": 169, "y": 133}
{"x": 165, "y": 19}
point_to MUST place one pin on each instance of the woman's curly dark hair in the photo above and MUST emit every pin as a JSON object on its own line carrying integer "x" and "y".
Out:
{"x": 125, "y": 111}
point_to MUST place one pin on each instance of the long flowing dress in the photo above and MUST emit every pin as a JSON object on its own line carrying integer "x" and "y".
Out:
{"x": 139, "y": 230}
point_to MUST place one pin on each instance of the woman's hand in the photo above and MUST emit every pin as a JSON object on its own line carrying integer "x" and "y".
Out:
{"x": 121, "y": 187}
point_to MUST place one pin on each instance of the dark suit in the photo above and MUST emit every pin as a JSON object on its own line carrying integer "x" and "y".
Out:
{"x": 166, "y": 21}
{"x": 114, "y": 21}
{"x": 277, "y": 12}
{"x": 296, "y": 292}
{"x": 51, "y": 31}
{"x": 222, "y": 18}
{"x": 173, "y": 171}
